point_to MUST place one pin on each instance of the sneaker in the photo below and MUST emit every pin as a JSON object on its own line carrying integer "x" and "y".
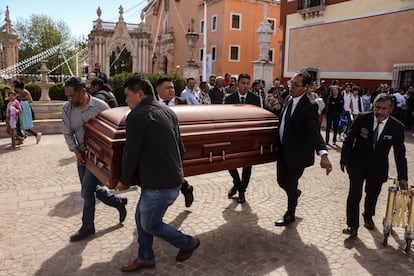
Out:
{"x": 38, "y": 137}
{"x": 10, "y": 147}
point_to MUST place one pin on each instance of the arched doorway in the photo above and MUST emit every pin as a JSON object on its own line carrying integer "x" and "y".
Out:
{"x": 120, "y": 61}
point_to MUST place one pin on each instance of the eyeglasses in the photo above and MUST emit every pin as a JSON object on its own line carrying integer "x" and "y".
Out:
{"x": 294, "y": 85}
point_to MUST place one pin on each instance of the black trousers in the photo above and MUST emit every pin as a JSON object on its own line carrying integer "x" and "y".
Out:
{"x": 288, "y": 180}
{"x": 332, "y": 121}
{"x": 373, "y": 186}
{"x": 241, "y": 184}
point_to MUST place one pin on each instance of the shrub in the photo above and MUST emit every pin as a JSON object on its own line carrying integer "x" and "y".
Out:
{"x": 56, "y": 92}
{"x": 117, "y": 81}
{"x": 34, "y": 90}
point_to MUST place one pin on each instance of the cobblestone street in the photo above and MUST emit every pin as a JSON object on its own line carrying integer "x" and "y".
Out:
{"x": 40, "y": 207}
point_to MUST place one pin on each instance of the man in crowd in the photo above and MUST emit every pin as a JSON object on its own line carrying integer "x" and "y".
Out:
{"x": 244, "y": 96}
{"x": 189, "y": 93}
{"x": 79, "y": 109}
{"x": 217, "y": 93}
{"x": 365, "y": 157}
{"x": 153, "y": 159}
{"x": 166, "y": 95}
{"x": 299, "y": 138}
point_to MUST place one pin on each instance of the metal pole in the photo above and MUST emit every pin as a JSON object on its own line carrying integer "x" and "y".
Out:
{"x": 204, "y": 77}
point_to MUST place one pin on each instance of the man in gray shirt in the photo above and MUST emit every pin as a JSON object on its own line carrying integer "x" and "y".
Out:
{"x": 79, "y": 109}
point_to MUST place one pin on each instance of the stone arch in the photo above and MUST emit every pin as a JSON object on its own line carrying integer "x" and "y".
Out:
{"x": 107, "y": 37}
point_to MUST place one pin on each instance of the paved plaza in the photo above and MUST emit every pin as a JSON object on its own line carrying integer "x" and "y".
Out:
{"x": 40, "y": 207}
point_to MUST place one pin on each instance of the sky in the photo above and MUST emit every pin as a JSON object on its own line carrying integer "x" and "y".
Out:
{"x": 77, "y": 14}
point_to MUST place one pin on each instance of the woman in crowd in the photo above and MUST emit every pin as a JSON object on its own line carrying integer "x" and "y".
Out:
{"x": 334, "y": 108}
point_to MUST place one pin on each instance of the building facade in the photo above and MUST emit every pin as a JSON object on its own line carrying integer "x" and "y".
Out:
{"x": 366, "y": 42}
{"x": 231, "y": 40}
{"x": 119, "y": 46}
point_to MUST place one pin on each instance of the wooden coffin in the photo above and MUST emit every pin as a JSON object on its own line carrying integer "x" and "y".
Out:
{"x": 216, "y": 137}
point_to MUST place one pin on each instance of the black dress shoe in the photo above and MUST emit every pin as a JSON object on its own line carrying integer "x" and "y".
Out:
{"x": 242, "y": 198}
{"x": 351, "y": 231}
{"x": 188, "y": 196}
{"x": 82, "y": 234}
{"x": 369, "y": 223}
{"x": 122, "y": 210}
{"x": 232, "y": 192}
{"x": 286, "y": 220}
{"x": 137, "y": 265}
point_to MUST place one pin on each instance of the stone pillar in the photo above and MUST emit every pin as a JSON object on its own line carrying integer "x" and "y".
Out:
{"x": 191, "y": 71}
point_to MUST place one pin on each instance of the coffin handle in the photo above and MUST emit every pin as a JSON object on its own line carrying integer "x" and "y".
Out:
{"x": 223, "y": 155}
{"x": 271, "y": 148}
{"x": 261, "y": 150}
{"x": 210, "y": 158}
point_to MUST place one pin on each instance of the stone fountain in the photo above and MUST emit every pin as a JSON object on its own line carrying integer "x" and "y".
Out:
{"x": 45, "y": 108}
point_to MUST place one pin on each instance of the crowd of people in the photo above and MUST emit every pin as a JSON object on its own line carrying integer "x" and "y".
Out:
{"x": 362, "y": 119}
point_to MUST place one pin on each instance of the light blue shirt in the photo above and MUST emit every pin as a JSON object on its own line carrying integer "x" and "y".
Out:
{"x": 190, "y": 96}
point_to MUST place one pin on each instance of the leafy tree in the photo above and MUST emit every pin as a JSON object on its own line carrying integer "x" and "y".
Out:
{"x": 39, "y": 33}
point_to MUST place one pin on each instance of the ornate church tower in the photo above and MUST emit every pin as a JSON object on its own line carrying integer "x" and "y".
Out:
{"x": 9, "y": 43}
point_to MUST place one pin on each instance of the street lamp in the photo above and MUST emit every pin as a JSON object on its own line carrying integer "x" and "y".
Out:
{"x": 59, "y": 56}
{"x": 154, "y": 57}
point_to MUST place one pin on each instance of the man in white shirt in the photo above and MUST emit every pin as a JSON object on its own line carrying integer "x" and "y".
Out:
{"x": 189, "y": 92}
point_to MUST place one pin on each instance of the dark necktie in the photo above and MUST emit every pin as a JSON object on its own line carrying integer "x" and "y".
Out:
{"x": 242, "y": 99}
{"x": 167, "y": 102}
{"x": 287, "y": 118}
{"x": 376, "y": 130}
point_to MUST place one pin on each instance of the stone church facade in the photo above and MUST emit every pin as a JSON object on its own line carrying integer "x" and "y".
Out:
{"x": 109, "y": 38}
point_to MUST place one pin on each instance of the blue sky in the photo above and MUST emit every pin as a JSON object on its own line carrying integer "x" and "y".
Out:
{"x": 77, "y": 14}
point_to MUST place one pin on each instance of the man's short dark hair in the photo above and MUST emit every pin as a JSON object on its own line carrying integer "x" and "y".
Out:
{"x": 163, "y": 79}
{"x": 18, "y": 84}
{"x": 99, "y": 82}
{"x": 77, "y": 83}
{"x": 307, "y": 78}
{"x": 243, "y": 76}
{"x": 136, "y": 83}
{"x": 190, "y": 79}
{"x": 384, "y": 97}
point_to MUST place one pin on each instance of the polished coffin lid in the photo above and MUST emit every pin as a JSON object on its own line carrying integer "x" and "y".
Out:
{"x": 216, "y": 137}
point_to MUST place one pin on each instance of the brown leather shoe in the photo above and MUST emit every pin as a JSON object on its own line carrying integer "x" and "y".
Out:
{"x": 137, "y": 265}
{"x": 184, "y": 254}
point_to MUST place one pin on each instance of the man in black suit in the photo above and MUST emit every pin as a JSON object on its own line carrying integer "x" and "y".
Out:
{"x": 365, "y": 157}
{"x": 245, "y": 97}
{"x": 299, "y": 137}
{"x": 217, "y": 93}
{"x": 166, "y": 95}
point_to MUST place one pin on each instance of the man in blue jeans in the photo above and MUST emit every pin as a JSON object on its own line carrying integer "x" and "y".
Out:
{"x": 79, "y": 109}
{"x": 152, "y": 159}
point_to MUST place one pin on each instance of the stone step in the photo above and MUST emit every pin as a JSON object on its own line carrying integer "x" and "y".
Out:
{"x": 49, "y": 126}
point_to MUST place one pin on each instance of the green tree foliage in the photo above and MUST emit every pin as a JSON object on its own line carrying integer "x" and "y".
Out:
{"x": 39, "y": 33}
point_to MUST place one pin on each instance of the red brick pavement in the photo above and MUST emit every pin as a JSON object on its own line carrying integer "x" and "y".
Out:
{"x": 40, "y": 207}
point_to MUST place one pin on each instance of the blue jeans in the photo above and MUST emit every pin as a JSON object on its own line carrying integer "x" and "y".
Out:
{"x": 91, "y": 188}
{"x": 151, "y": 208}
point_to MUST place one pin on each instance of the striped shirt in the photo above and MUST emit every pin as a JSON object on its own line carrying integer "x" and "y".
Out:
{"x": 74, "y": 118}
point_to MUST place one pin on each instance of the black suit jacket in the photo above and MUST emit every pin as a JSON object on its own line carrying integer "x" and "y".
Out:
{"x": 216, "y": 96}
{"x": 250, "y": 99}
{"x": 302, "y": 135}
{"x": 358, "y": 152}
{"x": 177, "y": 100}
